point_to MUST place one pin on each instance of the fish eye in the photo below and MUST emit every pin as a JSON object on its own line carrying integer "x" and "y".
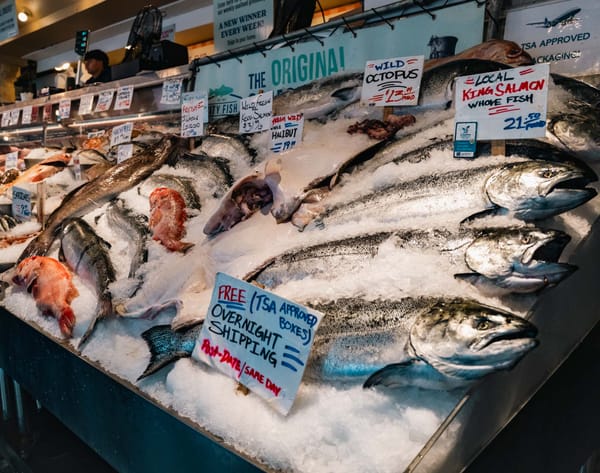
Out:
{"x": 548, "y": 173}
{"x": 526, "y": 239}
{"x": 482, "y": 325}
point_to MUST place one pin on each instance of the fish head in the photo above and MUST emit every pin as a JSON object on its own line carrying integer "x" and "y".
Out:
{"x": 467, "y": 340}
{"x": 533, "y": 190}
{"x": 506, "y": 52}
{"x": 519, "y": 259}
{"x": 578, "y": 132}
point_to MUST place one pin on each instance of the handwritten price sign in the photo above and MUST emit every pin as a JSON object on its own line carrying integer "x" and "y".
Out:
{"x": 121, "y": 134}
{"x": 21, "y": 203}
{"x": 286, "y": 131}
{"x": 256, "y": 112}
{"x": 392, "y": 82}
{"x": 257, "y": 338}
{"x": 505, "y": 104}
{"x": 193, "y": 112}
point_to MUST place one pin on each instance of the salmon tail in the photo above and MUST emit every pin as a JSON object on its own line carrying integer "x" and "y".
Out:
{"x": 167, "y": 346}
{"x": 66, "y": 321}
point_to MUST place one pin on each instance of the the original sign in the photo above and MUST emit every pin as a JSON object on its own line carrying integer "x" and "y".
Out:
{"x": 64, "y": 108}
{"x": 11, "y": 161}
{"x": 392, "y": 82}
{"x": 564, "y": 34}
{"x": 26, "y": 115}
{"x": 286, "y": 131}
{"x": 105, "y": 100}
{"x": 171, "y": 92}
{"x": 193, "y": 111}
{"x": 256, "y": 112}
{"x": 86, "y": 103}
{"x": 124, "y": 152}
{"x": 505, "y": 104}
{"x": 121, "y": 134}
{"x": 21, "y": 203}
{"x": 124, "y": 97}
{"x": 259, "y": 339}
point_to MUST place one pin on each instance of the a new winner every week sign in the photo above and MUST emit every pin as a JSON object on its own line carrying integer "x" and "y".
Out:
{"x": 504, "y": 104}
{"x": 257, "y": 338}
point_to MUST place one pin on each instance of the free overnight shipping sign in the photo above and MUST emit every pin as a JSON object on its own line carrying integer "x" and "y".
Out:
{"x": 257, "y": 338}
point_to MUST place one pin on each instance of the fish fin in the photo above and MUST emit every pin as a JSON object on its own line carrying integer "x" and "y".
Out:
{"x": 66, "y": 321}
{"x": 491, "y": 212}
{"x": 165, "y": 345}
{"x": 413, "y": 372}
{"x": 105, "y": 311}
{"x": 471, "y": 278}
{"x": 344, "y": 93}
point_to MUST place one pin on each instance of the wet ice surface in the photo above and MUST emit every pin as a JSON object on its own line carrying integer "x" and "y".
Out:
{"x": 331, "y": 427}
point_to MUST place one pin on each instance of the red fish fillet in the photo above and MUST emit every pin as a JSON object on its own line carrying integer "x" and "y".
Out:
{"x": 167, "y": 219}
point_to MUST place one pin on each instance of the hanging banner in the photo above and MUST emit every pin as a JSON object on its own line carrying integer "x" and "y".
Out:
{"x": 257, "y": 338}
{"x": 504, "y": 104}
{"x": 564, "y": 34}
{"x": 8, "y": 20}
{"x": 281, "y": 68}
{"x": 240, "y": 22}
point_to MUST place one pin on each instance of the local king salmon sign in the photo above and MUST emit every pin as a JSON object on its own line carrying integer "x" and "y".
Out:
{"x": 505, "y": 104}
{"x": 257, "y": 338}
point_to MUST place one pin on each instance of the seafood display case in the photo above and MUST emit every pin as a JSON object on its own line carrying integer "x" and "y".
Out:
{"x": 451, "y": 289}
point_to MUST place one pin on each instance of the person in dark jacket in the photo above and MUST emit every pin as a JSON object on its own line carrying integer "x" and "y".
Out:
{"x": 96, "y": 64}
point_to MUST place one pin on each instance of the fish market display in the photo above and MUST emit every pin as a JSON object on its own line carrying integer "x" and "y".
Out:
{"x": 105, "y": 187}
{"x": 428, "y": 270}
{"x": 51, "y": 285}
{"x": 167, "y": 219}
{"x": 87, "y": 256}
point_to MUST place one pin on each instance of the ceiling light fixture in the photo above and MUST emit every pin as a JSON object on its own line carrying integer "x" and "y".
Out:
{"x": 23, "y": 15}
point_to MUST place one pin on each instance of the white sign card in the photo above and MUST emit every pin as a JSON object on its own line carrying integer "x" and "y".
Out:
{"x": 564, "y": 34}
{"x": 105, "y": 100}
{"x": 5, "y": 119}
{"x": 256, "y": 113}
{"x": 11, "y": 160}
{"x": 121, "y": 134}
{"x": 193, "y": 112}
{"x": 64, "y": 108}
{"x": 124, "y": 97}
{"x": 21, "y": 203}
{"x": 26, "y": 115}
{"x": 85, "y": 104}
{"x": 96, "y": 134}
{"x": 392, "y": 82}
{"x": 171, "y": 92}
{"x": 76, "y": 166}
{"x": 505, "y": 104}
{"x": 286, "y": 131}
{"x": 14, "y": 116}
{"x": 168, "y": 32}
{"x": 47, "y": 112}
{"x": 259, "y": 339}
{"x": 124, "y": 152}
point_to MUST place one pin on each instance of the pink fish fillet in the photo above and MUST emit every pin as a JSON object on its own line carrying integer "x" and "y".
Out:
{"x": 167, "y": 219}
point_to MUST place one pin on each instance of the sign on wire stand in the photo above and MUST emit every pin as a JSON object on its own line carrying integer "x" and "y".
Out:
{"x": 392, "y": 82}
{"x": 257, "y": 338}
{"x": 506, "y": 104}
{"x": 286, "y": 131}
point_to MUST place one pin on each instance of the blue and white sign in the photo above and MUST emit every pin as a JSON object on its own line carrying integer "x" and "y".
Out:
{"x": 257, "y": 338}
{"x": 286, "y": 131}
{"x": 21, "y": 203}
{"x": 505, "y": 104}
{"x": 8, "y": 20}
{"x": 465, "y": 139}
{"x": 564, "y": 34}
